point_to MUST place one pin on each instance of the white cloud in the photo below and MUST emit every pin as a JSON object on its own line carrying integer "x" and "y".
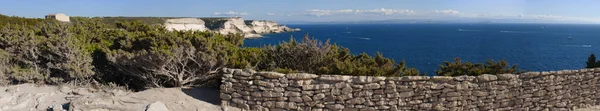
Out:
{"x": 382, "y": 11}
{"x": 230, "y": 13}
{"x": 271, "y": 14}
{"x": 559, "y": 18}
{"x": 537, "y": 17}
{"x": 444, "y": 14}
{"x": 447, "y": 12}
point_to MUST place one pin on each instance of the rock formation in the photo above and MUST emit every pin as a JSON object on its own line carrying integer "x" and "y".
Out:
{"x": 233, "y": 25}
{"x": 263, "y": 26}
{"x": 185, "y": 24}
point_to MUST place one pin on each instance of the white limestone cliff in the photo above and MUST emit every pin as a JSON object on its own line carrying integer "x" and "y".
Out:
{"x": 185, "y": 24}
{"x": 261, "y": 26}
{"x": 233, "y": 25}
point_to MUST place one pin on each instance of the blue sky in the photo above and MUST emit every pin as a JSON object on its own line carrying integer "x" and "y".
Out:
{"x": 567, "y": 11}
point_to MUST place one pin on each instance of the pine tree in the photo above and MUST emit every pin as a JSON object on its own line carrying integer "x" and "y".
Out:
{"x": 591, "y": 63}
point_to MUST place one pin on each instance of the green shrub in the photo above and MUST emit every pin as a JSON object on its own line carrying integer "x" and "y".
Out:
{"x": 139, "y": 55}
{"x": 458, "y": 68}
{"x": 64, "y": 53}
{"x": 592, "y": 63}
{"x": 4, "y": 67}
{"x": 6, "y": 20}
{"x": 161, "y": 58}
{"x": 313, "y": 56}
{"x": 24, "y": 46}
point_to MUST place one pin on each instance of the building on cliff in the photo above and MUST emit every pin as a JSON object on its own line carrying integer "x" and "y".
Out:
{"x": 58, "y": 16}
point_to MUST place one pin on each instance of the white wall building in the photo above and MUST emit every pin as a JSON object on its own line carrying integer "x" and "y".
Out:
{"x": 59, "y": 16}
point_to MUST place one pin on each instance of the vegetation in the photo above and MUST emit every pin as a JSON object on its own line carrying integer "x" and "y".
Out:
{"x": 4, "y": 20}
{"x": 313, "y": 56}
{"x": 141, "y": 54}
{"x": 458, "y": 68}
{"x": 592, "y": 63}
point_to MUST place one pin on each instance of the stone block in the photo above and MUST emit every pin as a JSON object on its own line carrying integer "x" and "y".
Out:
{"x": 271, "y": 75}
{"x": 301, "y": 76}
{"x": 486, "y": 78}
{"x": 334, "y": 78}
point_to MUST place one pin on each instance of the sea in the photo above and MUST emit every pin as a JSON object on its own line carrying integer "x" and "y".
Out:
{"x": 532, "y": 47}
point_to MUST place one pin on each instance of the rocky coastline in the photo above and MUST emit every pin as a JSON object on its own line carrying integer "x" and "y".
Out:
{"x": 232, "y": 25}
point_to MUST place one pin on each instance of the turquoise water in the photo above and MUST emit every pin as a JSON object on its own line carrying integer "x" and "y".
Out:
{"x": 533, "y": 47}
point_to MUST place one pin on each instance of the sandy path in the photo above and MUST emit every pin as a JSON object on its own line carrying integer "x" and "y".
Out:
{"x": 29, "y": 97}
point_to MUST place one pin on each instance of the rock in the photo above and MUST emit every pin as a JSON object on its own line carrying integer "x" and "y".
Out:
{"x": 414, "y": 78}
{"x": 506, "y": 76}
{"x": 539, "y": 93}
{"x": 185, "y": 24}
{"x": 322, "y": 86}
{"x": 333, "y": 78}
{"x": 529, "y": 74}
{"x": 441, "y": 78}
{"x": 271, "y": 75}
{"x": 486, "y": 78}
{"x": 281, "y": 104}
{"x": 366, "y": 79}
{"x": 157, "y": 106}
{"x": 341, "y": 85}
{"x": 318, "y": 97}
{"x": 306, "y": 99}
{"x": 239, "y": 72}
{"x": 82, "y": 91}
{"x": 480, "y": 93}
{"x": 301, "y": 76}
{"x": 295, "y": 99}
{"x": 335, "y": 107}
{"x": 263, "y": 83}
{"x": 464, "y": 78}
{"x": 525, "y": 96}
{"x": 453, "y": 94}
{"x": 356, "y": 101}
{"x": 437, "y": 86}
{"x": 292, "y": 94}
{"x": 372, "y": 86}
{"x": 57, "y": 107}
{"x": 225, "y": 96}
{"x": 238, "y": 101}
{"x": 272, "y": 94}
{"x": 407, "y": 94}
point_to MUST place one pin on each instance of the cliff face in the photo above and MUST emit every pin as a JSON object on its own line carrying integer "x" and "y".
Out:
{"x": 263, "y": 26}
{"x": 234, "y": 25}
{"x": 185, "y": 24}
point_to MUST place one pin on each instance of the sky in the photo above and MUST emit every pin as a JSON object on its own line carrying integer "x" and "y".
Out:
{"x": 551, "y": 11}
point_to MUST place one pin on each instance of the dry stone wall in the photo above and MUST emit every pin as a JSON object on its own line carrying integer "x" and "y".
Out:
{"x": 532, "y": 91}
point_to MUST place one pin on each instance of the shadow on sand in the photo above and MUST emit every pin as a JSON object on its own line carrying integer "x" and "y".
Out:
{"x": 209, "y": 95}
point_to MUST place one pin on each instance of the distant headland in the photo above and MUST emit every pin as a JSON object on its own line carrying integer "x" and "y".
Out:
{"x": 222, "y": 25}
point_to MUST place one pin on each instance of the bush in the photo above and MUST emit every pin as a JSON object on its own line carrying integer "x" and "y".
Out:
{"x": 140, "y": 55}
{"x": 161, "y": 58}
{"x": 47, "y": 53}
{"x": 6, "y": 20}
{"x": 26, "y": 63}
{"x": 592, "y": 63}
{"x": 64, "y": 53}
{"x": 458, "y": 68}
{"x": 4, "y": 67}
{"x": 313, "y": 56}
